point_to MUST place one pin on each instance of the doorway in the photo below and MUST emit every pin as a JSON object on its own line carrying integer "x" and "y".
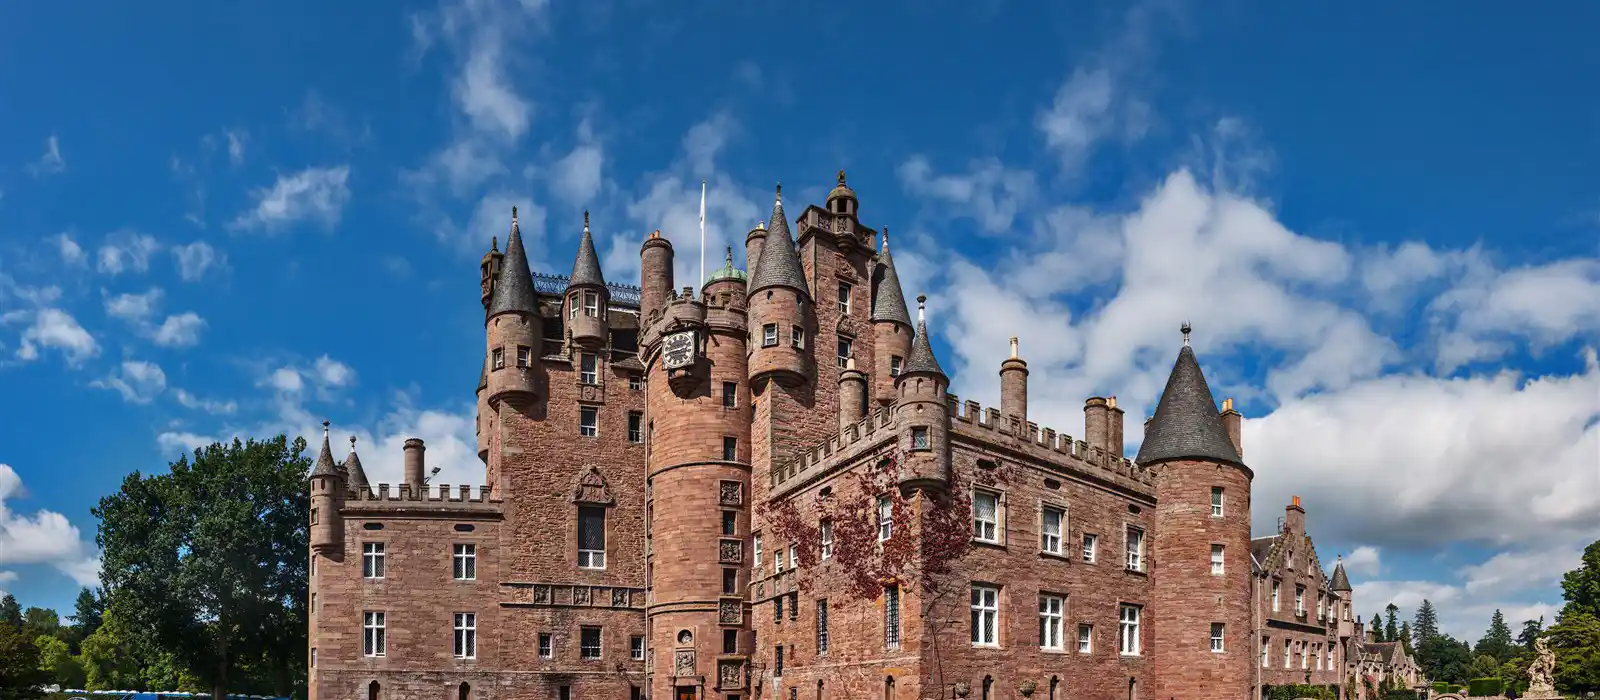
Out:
{"x": 685, "y": 693}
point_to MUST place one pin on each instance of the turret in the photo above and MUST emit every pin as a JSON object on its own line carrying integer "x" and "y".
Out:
{"x": 1014, "y": 387}
{"x": 514, "y": 327}
{"x": 754, "y": 242}
{"x": 852, "y": 394}
{"x": 1203, "y": 494}
{"x": 413, "y": 474}
{"x": 842, "y": 200}
{"x": 355, "y": 476}
{"x": 489, "y": 271}
{"x": 891, "y": 327}
{"x": 1339, "y": 583}
{"x": 725, "y": 281}
{"x": 655, "y": 273}
{"x": 485, "y": 425}
{"x": 780, "y": 316}
{"x": 327, "y": 498}
{"x": 587, "y": 296}
{"x": 922, "y": 411}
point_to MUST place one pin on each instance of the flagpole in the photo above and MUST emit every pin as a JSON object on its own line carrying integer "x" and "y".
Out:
{"x": 702, "y": 232}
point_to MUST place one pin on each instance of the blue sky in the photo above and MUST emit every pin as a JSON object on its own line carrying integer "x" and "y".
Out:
{"x": 1382, "y": 221}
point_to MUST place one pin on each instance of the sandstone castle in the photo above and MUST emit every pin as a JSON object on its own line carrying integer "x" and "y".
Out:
{"x": 761, "y": 489}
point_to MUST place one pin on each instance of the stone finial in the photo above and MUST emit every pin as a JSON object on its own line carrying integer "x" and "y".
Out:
{"x": 513, "y": 212}
{"x": 1013, "y": 347}
{"x": 586, "y": 219}
{"x": 886, "y": 239}
{"x": 841, "y": 176}
{"x": 922, "y": 307}
{"x": 1186, "y": 328}
{"x": 325, "y": 425}
{"x": 494, "y": 241}
{"x": 780, "y": 192}
{"x": 352, "y": 443}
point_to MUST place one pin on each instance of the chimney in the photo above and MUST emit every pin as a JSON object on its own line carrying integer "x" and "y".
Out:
{"x": 1014, "y": 386}
{"x": 852, "y": 394}
{"x": 1230, "y": 422}
{"x": 1096, "y": 422}
{"x": 413, "y": 463}
{"x": 1114, "y": 444}
{"x": 1294, "y": 517}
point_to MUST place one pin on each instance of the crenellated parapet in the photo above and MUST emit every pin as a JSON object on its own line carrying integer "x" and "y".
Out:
{"x": 863, "y": 436}
{"x": 436, "y": 499}
{"x": 976, "y": 422}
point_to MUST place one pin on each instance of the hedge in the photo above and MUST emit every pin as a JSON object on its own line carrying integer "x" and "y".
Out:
{"x": 1440, "y": 686}
{"x": 1401, "y": 694}
{"x": 1294, "y": 692}
{"x": 1485, "y": 687}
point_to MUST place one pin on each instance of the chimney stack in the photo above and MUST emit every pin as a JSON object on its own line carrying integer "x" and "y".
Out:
{"x": 852, "y": 394}
{"x": 1114, "y": 444}
{"x": 413, "y": 464}
{"x": 1294, "y": 517}
{"x": 1014, "y": 387}
{"x": 1231, "y": 421}
{"x": 1096, "y": 422}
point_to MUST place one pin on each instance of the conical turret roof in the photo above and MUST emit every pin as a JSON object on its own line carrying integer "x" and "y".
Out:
{"x": 779, "y": 264}
{"x": 1186, "y": 424}
{"x": 586, "y": 269}
{"x": 352, "y": 467}
{"x": 922, "y": 359}
{"x": 483, "y": 375}
{"x": 890, "y": 304}
{"x": 514, "y": 290}
{"x": 325, "y": 465}
{"x": 1340, "y": 581}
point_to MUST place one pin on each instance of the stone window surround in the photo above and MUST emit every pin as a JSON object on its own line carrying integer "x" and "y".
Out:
{"x": 980, "y": 526}
{"x": 986, "y": 610}
{"x": 1045, "y": 508}
{"x": 1052, "y": 621}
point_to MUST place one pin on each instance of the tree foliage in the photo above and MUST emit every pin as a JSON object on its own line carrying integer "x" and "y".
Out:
{"x": 56, "y": 659}
{"x": 1531, "y": 629}
{"x": 1581, "y": 586}
{"x": 1376, "y": 626}
{"x": 1391, "y": 627}
{"x": 208, "y": 562}
{"x": 87, "y": 611}
{"x": 1426, "y": 624}
{"x": 1497, "y": 642}
{"x": 1405, "y": 638}
{"x": 10, "y": 611}
{"x": 1575, "y": 639}
{"x": 21, "y": 677}
{"x": 1443, "y": 658}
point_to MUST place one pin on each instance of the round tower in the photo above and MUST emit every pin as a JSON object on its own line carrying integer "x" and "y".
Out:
{"x": 852, "y": 395}
{"x": 698, "y": 466}
{"x": 327, "y": 499}
{"x": 1200, "y": 550}
{"x": 923, "y": 413}
{"x": 781, "y": 322}
{"x": 754, "y": 241}
{"x": 485, "y": 426}
{"x": 514, "y": 327}
{"x": 655, "y": 274}
{"x": 891, "y": 327}
{"x": 1014, "y": 386}
{"x": 587, "y": 295}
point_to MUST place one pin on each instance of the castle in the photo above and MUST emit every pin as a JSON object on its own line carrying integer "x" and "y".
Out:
{"x": 761, "y": 489}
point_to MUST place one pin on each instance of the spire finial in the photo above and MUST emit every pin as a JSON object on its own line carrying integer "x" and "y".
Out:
{"x": 922, "y": 307}
{"x": 886, "y": 239}
{"x": 841, "y": 176}
{"x": 1186, "y": 328}
{"x": 494, "y": 242}
{"x": 513, "y": 213}
{"x": 780, "y": 192}
{"x": 586, "y": 219}
{"x": 352, "y": 443}
{"x": 730, "y": 256}
{"x": 325, "y": 425}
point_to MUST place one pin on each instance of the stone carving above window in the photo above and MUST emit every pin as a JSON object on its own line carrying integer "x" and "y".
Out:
{"x": 592, "y": 489}
{"x": 541, "y": 594}
{"x": 580, "y": 596}
{"x": 730, "y": 551}
{"x": 730, "y": 493}
{"x": 730, "y": 611}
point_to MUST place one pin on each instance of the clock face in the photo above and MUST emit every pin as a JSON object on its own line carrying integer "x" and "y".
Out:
{"x": 677, "y": 350}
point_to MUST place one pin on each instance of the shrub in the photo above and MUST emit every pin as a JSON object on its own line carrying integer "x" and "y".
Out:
{"x": 1294, "y": 692}
{"x": 1484, "y": 687}
{"x": 1440, "y": 686}
{"x": 1401, "y": 694}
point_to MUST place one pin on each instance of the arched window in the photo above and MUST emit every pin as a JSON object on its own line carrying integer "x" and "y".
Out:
{"x": 988, "y": 688}
{"x": 888, "y": 688}
{"x": 819, "y": 690}
{"x": 464, "y": 692}
{"x": 1055, "y": 688}
{"x": 372, "y": 691}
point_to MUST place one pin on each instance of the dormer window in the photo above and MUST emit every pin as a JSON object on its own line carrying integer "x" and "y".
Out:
{"x": 591, "y": 304}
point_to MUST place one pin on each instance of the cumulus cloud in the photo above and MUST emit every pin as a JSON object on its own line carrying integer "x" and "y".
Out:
{"x": 990, "y": 194}
{"x": 1362, "y": 561}
{"x": 138, "y": 381}
{"x": 1467, "y": 597}
{"x": 57, "y": 330}
{"x": 332, "y": 373}
{"x": 196, "y": 259}
{"x": 188, "y": 400}
{"x": 479, "y": 34}
{"x": 71, "y": 253}
{"x": 139, "y": 310}
{"x": 125, "y": 251}
{"x": 44, "y": 537}
{"x": 179, "y": 331}
{"x": 134, "y": 307}
{"x": 315, "y": 195}
{"x": 51, "y": 163}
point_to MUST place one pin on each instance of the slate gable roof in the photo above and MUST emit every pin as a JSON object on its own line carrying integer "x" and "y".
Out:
{"x": 1186, "y": 423}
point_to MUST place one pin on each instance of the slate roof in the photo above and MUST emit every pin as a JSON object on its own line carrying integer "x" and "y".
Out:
{"x": 483, "y": 375}
{"x": 1187, "y": 424}
{"x": 586, "y": 269}
{"x": 1340, "y": 582}
{"x": 1384, "y": 650}
{"x": 890, "y": 304}
{"x": 514, "y": 290}
{"x": 922, "y": 359}
{"x": 779, "y": 264}
{"x": 1261, "y": 549}
{"x": 325, "y": 466}
{"x": 352, "y": 467}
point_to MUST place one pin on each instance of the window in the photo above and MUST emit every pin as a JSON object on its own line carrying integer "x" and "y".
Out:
{"x": 730, "y": 448}
{"x": 891, "y": 616}
{"x": 894, "y": 365}
{"x": 1085, "y": 638}
{"x": 1050, "y": 530}
{"x": 372, "y": 560}
{"x": 919, "y": 438}
{"x": 523, "y": 354}
{"x": 1050, "y": 622}
{"x": 635, "y": 427}
{"x": 1275, "y": 607}
{"x": 769, "y": 335}
{"x": 1216, "y": 560}
{"x": 1305, "y": 659}
{"x": 1128, "y": 630}
{"x": 730, "y": 522}
{"x": 885, "y": 519}
{"x": 313, "y": 657}
{"x": 794, "y": 558}
{"x": 1300, "y": 600}
{"x": 635, "y": 383}
{"x": 985, "y": 516}
{"x": 1135, "y": 549}
{"x": 827, "y": 539}
{"x": 1266, "y": 645}
{"x": 985, "y": 616}
{"x": 466, "y": 635}
{"x": 844, "y": 299}
{"x": 499, "y": 358}
{"x": 844, "y": 352}
{"x": 755, "y": 546}
{"x": 822, "y": 626}
{"x": 797, "y": 337}
{"x": 1090, "y": 544}
{"x": 730, "y": 581}
{"x": 1316, "y": 650}
{"x": 464, "y": 562}
{"x": 547, "y": 647}
{"x": 588, "y": 421}
{"x": 730, "y": 641}
{"x": 777, "y": 561}
{"x": 730, "y": 395}
{"x": 1217, "y": 637}
{"x": 313, "y": 565}
{"x": 777, "y": 662}
{"x": 588, "y": 368}
{"x": 1286, "y": 652}
{"x": 313, "y": 602}
{"x": 589, "y": 642}
{"x": 636, "y": 647}
{"x": 591, "y": 537}
{"x": 591, "y": 304}
{"x": 372, "y": 639}
{"x": 564, "y": 692}
{"x": 1216, "y": 501}
{"x": 777, "y": 608}
{"x": 1320, "y": 616}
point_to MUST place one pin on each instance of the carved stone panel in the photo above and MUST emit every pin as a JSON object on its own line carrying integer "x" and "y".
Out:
{"x": 730, "y": 611}
{"x": 580, "y": 595}
{"x": 730, "y": 551}
{"x": 619, "y": 597}
{"x": 683, "y": 663}
{"x": 541, "y": 594}
{"x": 730, "y": 675}
{"x": 592, "y": 489}
{"x": 730, "y": 493}
{"x": 592, "y": 393}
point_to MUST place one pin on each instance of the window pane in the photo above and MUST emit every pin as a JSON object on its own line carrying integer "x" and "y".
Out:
{"x": 591, "y": 528}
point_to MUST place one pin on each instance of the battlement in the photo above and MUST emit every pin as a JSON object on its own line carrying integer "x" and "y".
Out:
{"x": 985, "y": 423}
{"x": 854, "y": 439}
{"x": 442, "y": 496}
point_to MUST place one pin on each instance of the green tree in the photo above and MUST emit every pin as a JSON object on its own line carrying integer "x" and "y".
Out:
{"x": 1376, "y": 625}
{"x": 1405, "y": 638}
{"x": 1426, "y": 624}
{"x": 1581, "y": 586}
{"x": 208, "y": 562}
{"x": 1531, "y": 629}
{"x": 40, "y": 621}
{"x": 1497, "y": 642}
{"x": 1391, "y": 630}
{"x": 109, "y": 658}
{"x": 1442, "y": 658}
{"x": 20, "y": 675}
{"x": 10, "y": 612}
{"x": 1575, "y": 639}
{"x": 56, "y": 658}
{"x": 87, "y": 612}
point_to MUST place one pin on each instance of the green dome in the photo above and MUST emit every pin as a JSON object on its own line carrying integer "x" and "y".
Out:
{"x": 727, "y": 271}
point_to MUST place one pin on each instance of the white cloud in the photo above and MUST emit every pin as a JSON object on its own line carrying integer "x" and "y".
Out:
{"x": 1544, "y": 304}
{"x": 51, "y": 162}
{"x": 333, "y": 373}
{"x": 990, "y": 194}
{"x": 126, "y": 251}
{"x": 57, "y": 329}
{"x": 316, "y": 194}
{"x": 577, "y": 174}
{"x": 179, "y": 442}
{"x": 176, "y": 331}
{"x": 236, "y": 140}
{"x": 1363, "y": 561}
{"x": 135, "y": 308}
{"x": 71, "y": 253}
{"x": 481, "y": 35}
{"x": 284, "y": 379}
{"x": 1465, "y": 599}
{"x": 45, "y": 537}
{"x": 179, "y": 331}
{"x": 138, "y": 381}
{"x": 188, "y": 400}
{"x": 196, "y": 259}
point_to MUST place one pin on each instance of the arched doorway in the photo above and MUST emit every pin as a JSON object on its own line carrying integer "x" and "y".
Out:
{"x": 372, "y": 691}
{"x": 464, "y": 692}
{"x": 1055, "y": 688}
{"x": 988, "y": 688}
{"x": 888, "y": 688}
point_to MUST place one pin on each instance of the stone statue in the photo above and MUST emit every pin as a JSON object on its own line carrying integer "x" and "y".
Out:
{"x": 1542, "y": 672}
